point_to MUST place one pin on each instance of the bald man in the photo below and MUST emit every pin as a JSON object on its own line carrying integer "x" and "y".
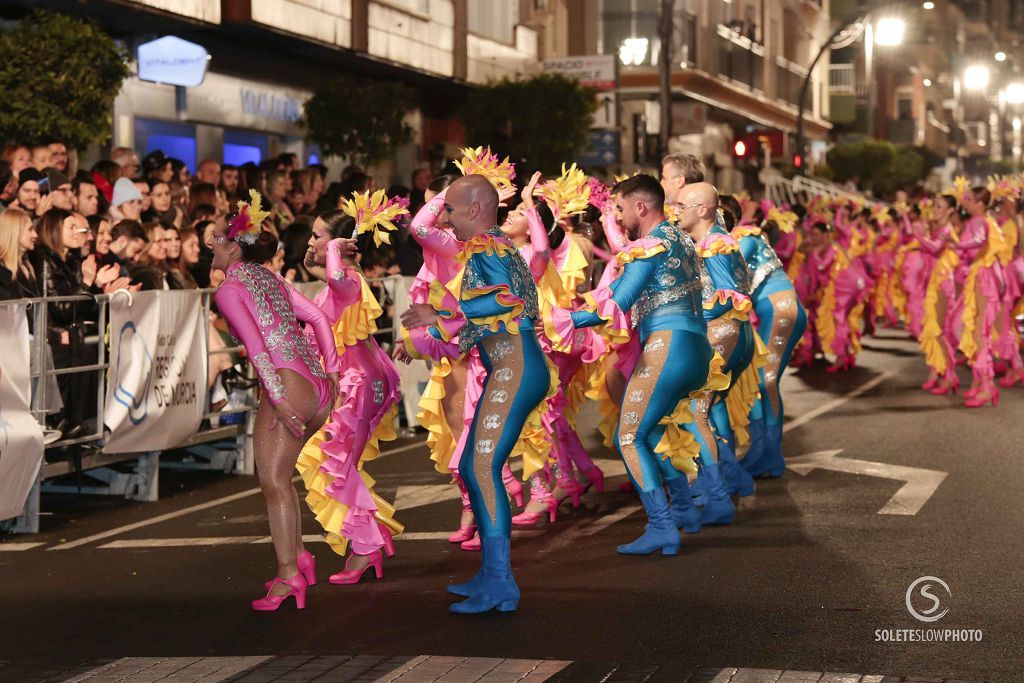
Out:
{"x": 726, "y": 306}
{"x": 494, "y": 313}
{"x": 660, "y": 284}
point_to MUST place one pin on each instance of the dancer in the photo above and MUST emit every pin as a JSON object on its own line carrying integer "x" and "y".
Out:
{"x": 660, "y": 283}
{"x": 494, "y": 313}
{"x": 781, "y": 321}
{"x": 942, "y": 303}
{"x": 262, "y": 310}
{"x": 339, "y": 492}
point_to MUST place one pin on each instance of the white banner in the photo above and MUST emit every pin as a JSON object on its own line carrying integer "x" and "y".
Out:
{"x": 21, "y": 437}
{"x": 156, "y": 385}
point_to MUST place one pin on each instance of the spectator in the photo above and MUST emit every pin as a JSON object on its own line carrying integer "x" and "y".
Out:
{"x": 420, "y": 181}
{"x": 180, "y": 172}
{"x": 287, "y": 162}
{"x": 201, "y": 270}
{"x": 17, "y": 238}
{"x": 127, "y": 240}
{"x": 206, "y": 193}
{"x": 208, "y": 171}
{"x": 19, "y": 157}
{"x": 149, "y": 268}
{"x": 229, "y": 182}
{"x": 179, "y": 195}
{"x": 301, "y": 188}
{"x": 59, "y": 156}
{"x": 126, "y": 201}
{"x": 204, "y": 212}
{"x": 295, "y": 239}
{"x": 104, "y": 174}
{"x": 61, "y": 194}
{"x": 85, "y": 197}
{"x": 188, "y": 260}
{"x": 157, "y": 168}
{"x": 356, "y": 182}
{"x": 176, "y": 276}
{"x": 29, "y": 196}
{"x": 128, "y": 160}
{"x": 8, "y": 184}
{"x": 100, "y": 228}
{"x": 41, "y": 157}
{"x": 143, "y": 187}
{"x": 162, "y": 207}
{"x": 277, "y": 189}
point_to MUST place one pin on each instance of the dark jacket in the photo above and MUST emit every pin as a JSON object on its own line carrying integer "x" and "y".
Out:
{"x": 60, "y": 277}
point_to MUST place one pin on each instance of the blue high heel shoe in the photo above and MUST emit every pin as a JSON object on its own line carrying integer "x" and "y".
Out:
{"x": 684, "y": 514}
{"x": 719, "y": 509}
{"x": 496, "y": 588}
{"x": 661, "y": 533}
{"x": 771, "y": 463}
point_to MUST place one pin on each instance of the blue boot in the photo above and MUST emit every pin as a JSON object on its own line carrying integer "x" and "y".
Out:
{"x": 467, "y": 588}
{"x": 771, "y": 464}
{"x": 699, "y": 491}
{"x": 496, "y": 588}
{"x": 684, "y": 515}
{"x": 758, "y": 441}
{"x": 737, "y": 480}
{"x": 719, "y": 508}
{"x": 660, "y": 533}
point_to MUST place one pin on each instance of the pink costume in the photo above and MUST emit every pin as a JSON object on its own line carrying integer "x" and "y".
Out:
{"x": 914, "y": 266}
{"x": 262, "y": 311}
{"x": 340, "y": 494}
{"x": 981, "y": 276}
{"x": 1007, "y": 338}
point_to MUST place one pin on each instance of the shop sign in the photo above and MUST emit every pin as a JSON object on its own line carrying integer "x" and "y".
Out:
{"x": 271, "y": 105}
{"x": 592, "y": 71}
{"x": 173, "y": 61}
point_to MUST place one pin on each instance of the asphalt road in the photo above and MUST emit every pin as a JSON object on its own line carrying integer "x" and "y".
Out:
{"x": 803, "y": 580}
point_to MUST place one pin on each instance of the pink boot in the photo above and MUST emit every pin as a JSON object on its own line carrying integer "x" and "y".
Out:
{"x": 512, "y": 485}
{"x": 467, "y": 525}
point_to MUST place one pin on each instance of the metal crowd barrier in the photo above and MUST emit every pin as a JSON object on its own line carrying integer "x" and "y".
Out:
{"x": 135, "y": 476}
{"x": 802, "y": 189}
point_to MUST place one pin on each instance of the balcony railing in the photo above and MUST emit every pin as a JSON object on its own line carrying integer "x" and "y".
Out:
{"x": 789, "y": 79}
{"x": 842, "y": 79}
{"x": 739, "y": 58}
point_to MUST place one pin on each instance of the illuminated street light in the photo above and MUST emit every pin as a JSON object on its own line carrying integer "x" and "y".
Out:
{"x": 928, "y": 5}
{"x": 1000, "y": 56}
{"x": 927, "y": 82}
{"x": 976, "y": 77}
{"x": 633, "y": 51}
{"x": 1015, "y": 93}
{"x": 889, "y": 31}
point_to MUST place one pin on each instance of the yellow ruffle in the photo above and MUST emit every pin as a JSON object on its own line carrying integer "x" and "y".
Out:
{"x": 1011, "y": 237}
{"x": 329, "y": 512}
{"x": 440, "y": 438}
{"x": 741, "y": 306}
{"x": 678, "y": 445}
{"x": 606, "y": 406}
{"x": 744, "y": 394}
{"x": 746, "y": 231}
{"x": 931, "y": 330}
{"x": 573, "y": 271}
{"x": 534, "y": 444}
{"x": 968, "y": 339}
{"x": 639, "y": 251}
{"x": 718, "y": 379}
{"x": 825, "y": 324}
{"x": 855, "y": 319}
{"x": 795, "y": 265}
{"x": 718, "y": 247}
{"x": 359, "y": 320}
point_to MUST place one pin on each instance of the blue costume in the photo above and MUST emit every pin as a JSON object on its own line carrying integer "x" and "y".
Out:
{"x": 781, "y": 324}
{"x": 726, "y": 309}
{"x": 660, "y": 282}
{"x": 493, "y": 312}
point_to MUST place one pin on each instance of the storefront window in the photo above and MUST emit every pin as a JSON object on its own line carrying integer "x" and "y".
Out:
{"x": 494, "y": 19}
{"x": 176, "y": 140}
{"x": 241, "y": 147}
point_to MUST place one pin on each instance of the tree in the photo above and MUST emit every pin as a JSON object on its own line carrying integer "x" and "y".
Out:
{"x": 879, "y": 165}
{"x": 359, "y": 119}
{"x": 59, "y": 76}
{"x": 550, "y": 115}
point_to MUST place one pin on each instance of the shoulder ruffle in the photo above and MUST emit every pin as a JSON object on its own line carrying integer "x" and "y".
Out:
{"x": 640, "y": 249}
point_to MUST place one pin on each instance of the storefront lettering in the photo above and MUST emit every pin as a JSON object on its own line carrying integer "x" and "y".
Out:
{"x": 271, "y": 106}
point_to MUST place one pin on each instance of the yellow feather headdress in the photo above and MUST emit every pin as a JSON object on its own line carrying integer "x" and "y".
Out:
{"x": 481, "y": 161}
{"x": 248, "y": 224}
{"x": 568, "y": 194}
{"x": 374, "y": 213}
{"x": 786, "y": 220}
{"x": 961, "y": 186}
{"x": 1004, "y": 187}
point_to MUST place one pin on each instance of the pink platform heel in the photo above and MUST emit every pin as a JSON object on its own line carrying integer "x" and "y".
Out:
{"x": 307, "y": 567}
{"x": 270, "y": 603}
{"x": 472, "y": 545}
{"x": 595, "y": 478}
{"x": 347, "y": 577}
{"x": 528, "y": 518}
{"x": 389, "y": 540}
{"x": 512, "y": 485}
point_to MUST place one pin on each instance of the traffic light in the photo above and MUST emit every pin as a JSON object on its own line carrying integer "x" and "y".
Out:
{"x": 798, "y": 161}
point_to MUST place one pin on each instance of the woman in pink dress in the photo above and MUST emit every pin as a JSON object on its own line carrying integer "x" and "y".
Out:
{"x": 263, "y": 312}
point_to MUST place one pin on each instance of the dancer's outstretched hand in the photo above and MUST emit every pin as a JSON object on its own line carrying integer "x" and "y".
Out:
{"x": 345, "y": 248}
{"x": 401, "y": 355}
{"x": 419, "y": 315}
{"x": 505, "y": 194}
{"x": 528, "y": 191}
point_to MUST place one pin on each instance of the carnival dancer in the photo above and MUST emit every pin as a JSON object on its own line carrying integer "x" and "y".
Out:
{"x": 844, "y": 288}
{"x": 339, "y": 493}
{"x": 1006, "y": 192}
{"x": 942, "y": 301}
{"x": 911, "y": 268}
{"x": 660, "y": 283}
{"x": 493, "y": 312}
{"x": 979, "y": 247}
{"x": 262, "y": 311}
{"x": 781, "y": 321}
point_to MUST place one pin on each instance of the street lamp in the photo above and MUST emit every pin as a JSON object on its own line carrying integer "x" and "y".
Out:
{"x": 633, "y": 51}
{"x": 928, "y": 5}
{"x": 1015, "y": 93}
{"x": 976, "y": 77}
{"x": 1000, "y": 56}
{"x": 889, "y": 31}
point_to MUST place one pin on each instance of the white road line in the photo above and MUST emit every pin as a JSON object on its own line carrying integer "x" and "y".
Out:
{"x": 836, "y": 402}
{"x": 606, "y": 521}
{"x": 18, "y": 547}
{"x": 143, "y": 543}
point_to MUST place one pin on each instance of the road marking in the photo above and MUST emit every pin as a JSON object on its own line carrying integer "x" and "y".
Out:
{"x": 609, "y": 519}
{"x": 408, "y": 497}
{"x": 920, "y": 484}
{"x": 836, "y": 402}
{"x": 143, "y": 543}
{"x": 18, "y": 547}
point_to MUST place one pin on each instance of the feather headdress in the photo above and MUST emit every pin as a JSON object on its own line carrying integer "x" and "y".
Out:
{"x": 1004, "y": 187}
{"x": 248, "y": 224}
{"x": 374, "y": 214}
{"x": 568, "y": 194}
{"x": 481, "y": 161}
{"x": 600, "y": 194}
